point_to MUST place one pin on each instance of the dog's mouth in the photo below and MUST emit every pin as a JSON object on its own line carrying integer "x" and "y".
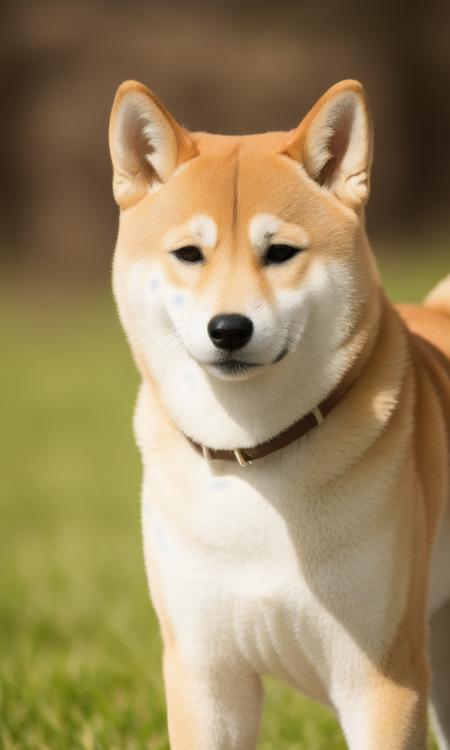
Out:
{"x": 229, "y": 365}
{"x": 233, "y": 366}
{"x": 284, "y": 352}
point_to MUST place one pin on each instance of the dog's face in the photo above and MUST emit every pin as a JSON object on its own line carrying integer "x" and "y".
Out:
{"x": 236, "y": 253}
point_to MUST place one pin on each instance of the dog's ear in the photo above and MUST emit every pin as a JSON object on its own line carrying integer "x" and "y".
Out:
{"x": 146, "y": 143}
{"x": 334, "y": 143}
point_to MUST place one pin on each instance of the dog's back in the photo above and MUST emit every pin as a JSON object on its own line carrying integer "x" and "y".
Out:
{"x": 432, "y": 319}
{"x": 430, "y": 324}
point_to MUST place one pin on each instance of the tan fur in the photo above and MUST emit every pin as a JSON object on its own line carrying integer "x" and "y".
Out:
{"x": 322, "y": 563}
{"x": 183, "y": 727}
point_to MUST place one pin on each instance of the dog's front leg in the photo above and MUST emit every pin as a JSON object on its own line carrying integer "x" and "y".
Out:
{"x": 386, "y": 715}
{"x": 211, "y": 710}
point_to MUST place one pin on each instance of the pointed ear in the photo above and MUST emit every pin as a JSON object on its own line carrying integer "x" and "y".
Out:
{"x": 145, "y": 141}
{"x": 334, "y": 142}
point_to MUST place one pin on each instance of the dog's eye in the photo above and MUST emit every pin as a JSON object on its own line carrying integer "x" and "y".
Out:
{"x": 189, "y": 254}
{"x": 277, "y": 254}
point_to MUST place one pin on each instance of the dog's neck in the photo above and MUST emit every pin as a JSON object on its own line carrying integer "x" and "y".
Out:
{"x": 227, "y": 415}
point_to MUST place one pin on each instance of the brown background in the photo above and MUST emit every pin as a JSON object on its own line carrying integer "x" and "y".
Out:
{"x": 221, "y": 66}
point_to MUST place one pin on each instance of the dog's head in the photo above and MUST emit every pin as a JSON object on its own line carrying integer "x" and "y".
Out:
{"x": 237, "y": 253}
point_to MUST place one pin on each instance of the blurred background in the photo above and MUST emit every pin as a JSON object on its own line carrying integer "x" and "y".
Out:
{"x": 232, "y": 67}
{"x": 80, "y": 646}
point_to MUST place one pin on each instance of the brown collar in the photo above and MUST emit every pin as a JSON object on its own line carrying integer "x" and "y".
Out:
{"x": 246, "y": 456}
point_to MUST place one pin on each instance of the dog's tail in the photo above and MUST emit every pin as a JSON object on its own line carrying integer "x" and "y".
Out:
{"x": 439, "y": 297}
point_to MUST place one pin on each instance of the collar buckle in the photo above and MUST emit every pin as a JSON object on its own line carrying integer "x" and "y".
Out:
{"x": 241, "y": 459}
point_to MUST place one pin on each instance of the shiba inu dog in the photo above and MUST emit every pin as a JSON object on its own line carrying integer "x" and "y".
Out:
{"x": 293, "y": 425}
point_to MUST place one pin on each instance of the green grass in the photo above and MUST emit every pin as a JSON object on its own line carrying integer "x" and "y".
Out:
{"x": 79, "y": 643}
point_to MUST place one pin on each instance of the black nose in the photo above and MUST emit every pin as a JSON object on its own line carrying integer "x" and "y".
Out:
{"x": 230, "y": 331}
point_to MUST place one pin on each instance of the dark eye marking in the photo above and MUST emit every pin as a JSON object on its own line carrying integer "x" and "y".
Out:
{"x": 189, "y": 254}
{"x": 277, "y": 254}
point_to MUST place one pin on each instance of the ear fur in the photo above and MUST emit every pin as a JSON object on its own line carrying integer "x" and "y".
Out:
{"x": 334, "y": 142}
{"x": 146, "y": 143}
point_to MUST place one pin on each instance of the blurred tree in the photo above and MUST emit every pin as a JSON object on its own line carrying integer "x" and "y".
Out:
{"x": 414, "y": 38}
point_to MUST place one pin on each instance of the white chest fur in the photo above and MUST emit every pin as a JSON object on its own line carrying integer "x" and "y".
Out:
{"x": 297, "y": 577}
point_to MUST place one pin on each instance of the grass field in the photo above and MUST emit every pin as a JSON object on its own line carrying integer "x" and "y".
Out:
{"x": 79, "y": 644}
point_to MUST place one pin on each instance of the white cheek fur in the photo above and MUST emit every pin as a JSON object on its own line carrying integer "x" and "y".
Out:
{"x": 307, "y": 310}
{"x": 177, "y": 299}
{"x": 173, "y": 338}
